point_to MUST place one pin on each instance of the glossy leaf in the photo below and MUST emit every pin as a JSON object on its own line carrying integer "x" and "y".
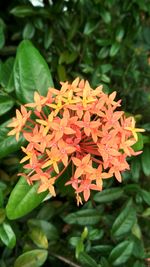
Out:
{"x": 83, "y": 217}
{"x": 121, "y": 253}
{"x": 23, "y": 199}
{"x": 125, "y": 220}
{"x": 6, "y": 73}
{"x": 7, "y": 235}
{"x": 31, "y": 73}
{"x": 6, "y": 103}
{"x": 108, "y": 195}
{"x": 33, "y": 258}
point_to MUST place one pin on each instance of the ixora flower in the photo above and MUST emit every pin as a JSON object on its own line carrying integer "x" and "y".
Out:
{"x": 75, "y": 126}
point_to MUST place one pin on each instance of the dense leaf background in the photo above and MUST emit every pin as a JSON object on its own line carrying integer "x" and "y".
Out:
{"x": 41, "y": 43}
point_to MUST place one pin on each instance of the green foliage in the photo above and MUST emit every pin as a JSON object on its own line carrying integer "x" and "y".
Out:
{"x": 106, "y": 42}
{"x": 23, "y": 199}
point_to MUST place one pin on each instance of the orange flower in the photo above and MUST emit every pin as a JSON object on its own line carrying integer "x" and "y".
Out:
{"x": 83, "y": 165}
{"x": 19, "y": 121}
{"x": 133, "y": 129}
{"x": 83, "y": 130}
{"x": 39, "y": 101}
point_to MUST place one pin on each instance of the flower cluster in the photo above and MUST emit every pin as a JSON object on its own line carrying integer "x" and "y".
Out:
{"x": 75, "y": 126}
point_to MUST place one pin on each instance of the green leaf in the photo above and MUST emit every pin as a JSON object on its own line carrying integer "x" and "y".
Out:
{"x": 61, "y": 73}
{"x": 106, "y": 16}
{"x": 33, "y": 258}
{"x": 125, "y": 220}
{"x": 119, "y": 33}
{"x": 2, "y": 36}
{"x": 137, "y": 231}
{"x": 121, "y": 253}
{"x": 146, "y": 161}
{"x": 83, "y": 217}
{"x": 48, "y": 228}
{"x": 87, "y": 260}
{"x": 48, "y": 38}
{"x": 139, "y": 144}
{"x": 89, "y": 27}
{"x": 6, "y": 73}
{"x": 8, "y": 144}
{"x": 146, "y": 196}
{"x": 38, "y": 237}
{"x": 28, "y": 31}
{"x": 6, "y": 103}
{"x": 31, "y": 73}
{"x": 108, "y": 195}
{"x": 135, "y": 169}
{"x": 114, "y": 49}
{"x": 23, "y": 199}
{"x": 105, "y": 78}
{"x": 105, "y": 68}
{"x": 138, "y": 264}
{"x": 103, "y": 53}
{"x": 2, "y": 213}
{"x": 23, "y": 11}
{"x": 103, "y": 249}
{"x": 7, "y": 235}
{"x": 146, "y": 213}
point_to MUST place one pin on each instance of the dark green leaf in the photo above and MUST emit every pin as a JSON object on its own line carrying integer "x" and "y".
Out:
{"x": 108, "y": 195}
{"x": 48, "y": 38}
{"x": 125, "y": 220}
{"x": 139, "y": 144}
{"x": 2, "y": 212}
{"x": 103, "y": 53}
{"x": 146, "y": 160}
{"x": 119, "y": 34}
{"x": 121, "y": 253}
{"x": 61, "y": 73}
{"x": 31, "y": 73}
{"x": 146, "y": 196}
{"x": 135, "y": 169}
{"x": 28, "y": 31}
{"x": 6, "y": 103}
{"x": 23, "y": 11}
{"x": 2, "y": 36}
{"x": 138, "y": 264}
{"x": 89, "y": 27}
{"x": 33, "y": 258}
{"x": 83, "y": 217}
{"x": 103, "y": 249}
{"x": 87, "y": 260}
{"x": 23, "y": 199}
{"x": 48, "y": 228}
{"x": 38, "y": 237}
{"x": 7, "y": 235}
{"x": 106, "y": 16}
{"x": 6, "y": 72}
{"x": 114, "y": 49}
